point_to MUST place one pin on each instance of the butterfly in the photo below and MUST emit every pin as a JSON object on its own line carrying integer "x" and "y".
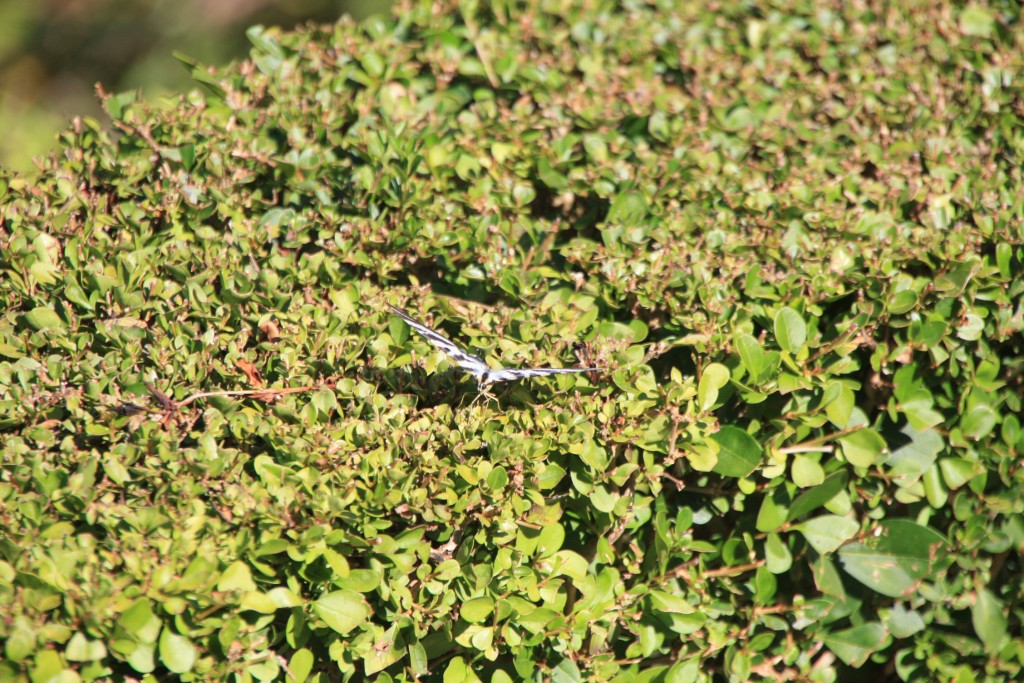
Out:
{"x": 485, "y": 375}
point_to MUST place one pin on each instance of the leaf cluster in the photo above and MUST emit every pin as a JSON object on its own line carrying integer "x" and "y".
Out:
{"x": 790, "y": 238}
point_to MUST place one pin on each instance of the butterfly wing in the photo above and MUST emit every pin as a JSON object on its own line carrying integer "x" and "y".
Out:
{"x": 509, "y": 374}
{"x": 464, "y": 360}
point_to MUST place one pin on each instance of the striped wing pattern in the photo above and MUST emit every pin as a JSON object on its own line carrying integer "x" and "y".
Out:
{"x": 484, "y": 374}
{"x": 510, "y": 374}
{"x": 467, "y": 361}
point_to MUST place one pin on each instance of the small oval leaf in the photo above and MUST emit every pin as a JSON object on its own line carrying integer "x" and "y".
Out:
{"x": 342, "y": 610}
{"x": 738, "y": 452}
{"x": 790, "y": 330}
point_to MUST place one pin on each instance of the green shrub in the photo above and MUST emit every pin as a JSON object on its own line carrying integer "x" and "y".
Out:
{"x": 791, "y": 238}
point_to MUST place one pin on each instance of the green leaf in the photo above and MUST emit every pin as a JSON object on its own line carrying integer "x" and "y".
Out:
{"x": 324, "y": 401}
{"x": 81, "y": 649}
{"x": 139, "y": 622}
{"x": 300, "y": 665}
{"x": 895, "y": 559}
{"x": 143, "y": 657}
{"x": 956, "y": 280}
{"x": 934, "y": 489}
{"x": 839, "y": 407}
{"x": 778, "y": 559}
{"x": 958, "y": 471}
{"x": 828, "y": 532}
{"x": 550, "y": 540}
{"x": 458, "y": 672}
{"x": 814, "y": 498}
{"x": 1004, "y": 254}
{"x": 613, "y": 330}
{"x": 447, "y": 570}
{"x": 766, "y": 585}
{"x": 684, "y": 672}
{"x": 48, "y": 668}
{"x": 627, "y": 209}
{"x": 44, "y": 318}
{"x": 360, "y": 580}
{"x": 640, "y": 330}
{"x": 565, "y": 671}
{"x": 237, "y": 577}
{"x": 774, "y": 510}
{"x": 602, "y": 499}
{"x": 854, "y": 645}
{"x": 662, "y": 601}
{"x": 738, "y": 453}
{"x": 476, "y": 610}
{"x": 930, "y": 333}
{"x": 972, "y": 328}
{"x": 863, "y": 448}
{"x": 979, "y": 422}
{"x": 267, "y": 669}
{"x": 594, "y": 455}
{"x": 989, "y": 620}
{"x": 258, "y": 602}
{"x": 283, "y": 597}
{"x": 902, "y": 301}
{"x": 790, "y": 330}
{"x": 537, "y": 620}
{"x": 570, "y": 564}
{"x": 342, "y": 610}
{"x": 714, "y": 377}
{"x": 467, "y": 167}
{"x": 829, "y": 581}
{"x": 497, "y": 480}
{"x": 21, "y": 641}
{"x": 380, "y": 658}
{"x": 807, "y": 472}
{"x": 177, "y": 652}
{"x": 339, "y": 565}
{"x": 418, "y": 660}
{"x": 976, "y": 20}
{"x": 751, "y": 355}
{"x": 904, "y": 622}
{"x": 913, "y": 459}
{"x": 549, "y": 476}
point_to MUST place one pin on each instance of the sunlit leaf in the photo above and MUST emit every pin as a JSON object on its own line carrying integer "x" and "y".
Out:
{"x": 342, "y": 610}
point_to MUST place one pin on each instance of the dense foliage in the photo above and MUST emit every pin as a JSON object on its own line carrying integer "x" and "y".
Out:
{"x": 790, "y": 238}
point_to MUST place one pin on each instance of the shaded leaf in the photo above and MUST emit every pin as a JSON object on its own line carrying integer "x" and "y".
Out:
{"x": 895, "y": 559}
{"x": 817, "y": 496}
{"x": 44, "y": 318}
{"x": 854, "y": 645}
{"x": 989, "y": 620}
{"x": 738, "y": 453}
{"x": 790, "y": 330}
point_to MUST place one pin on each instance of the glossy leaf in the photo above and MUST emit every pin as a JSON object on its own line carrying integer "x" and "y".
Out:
{"x": 790, "y": 330}
{"x": 827, "y": 533}
{"x": 738, "y": 452}
{"x": 895, "y": 558}
{"x": 342, "y": 610}
{"x": 854, "y": 645}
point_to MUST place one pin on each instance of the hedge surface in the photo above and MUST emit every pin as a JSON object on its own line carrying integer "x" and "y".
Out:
{"x": 791, "y": 238}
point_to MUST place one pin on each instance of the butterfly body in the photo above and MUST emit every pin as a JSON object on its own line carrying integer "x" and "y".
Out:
{"x": 485, "y": 375}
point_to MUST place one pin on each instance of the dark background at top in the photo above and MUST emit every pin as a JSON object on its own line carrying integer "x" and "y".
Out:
{"x": 53, "y": 52}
